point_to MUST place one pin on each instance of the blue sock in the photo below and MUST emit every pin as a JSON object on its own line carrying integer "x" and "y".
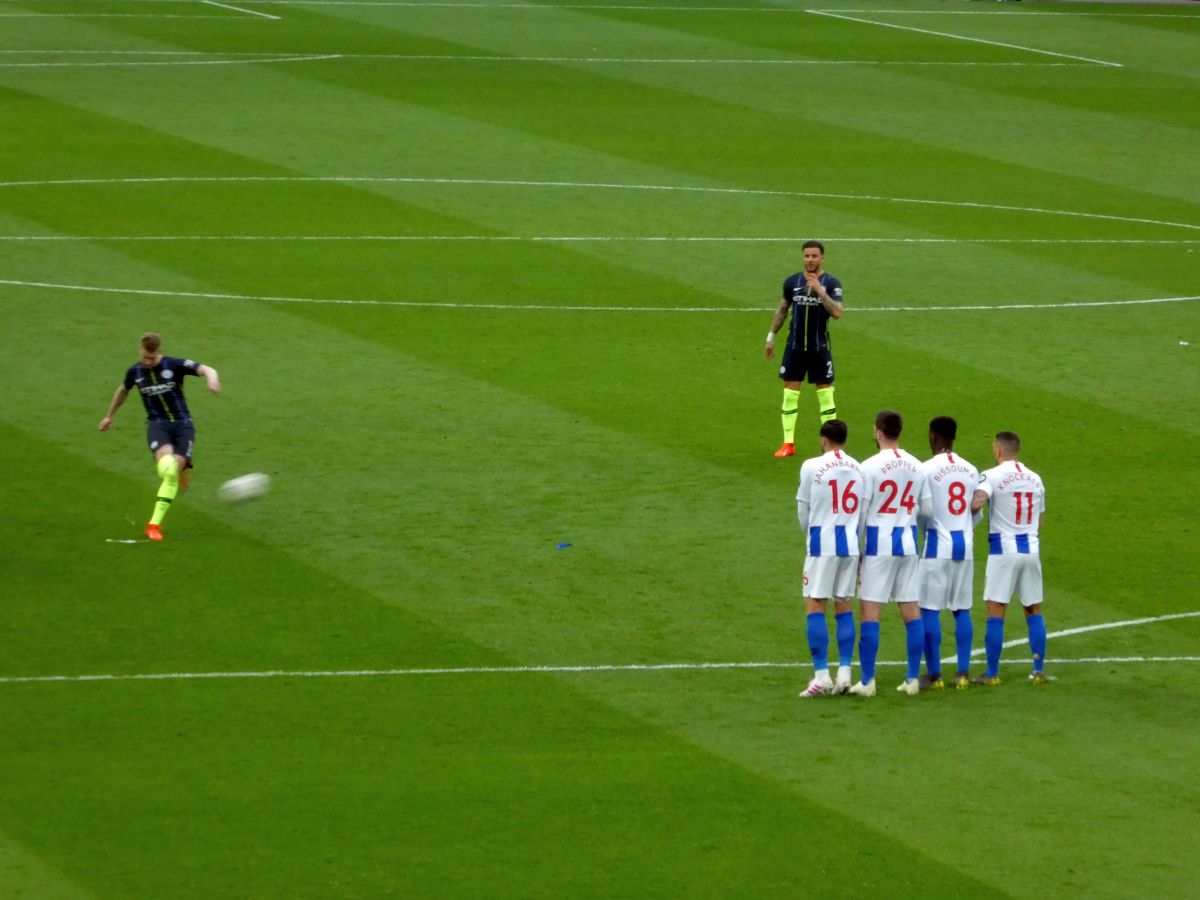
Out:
{"x": 868, "y": 649}
{"x": 933, "y": 640}
{"x": 1037, "y": 640}
{"x": 915, "y": 632}
{"x": 818, "y": 640}
{"x": 993, "y": 642}
{"x": 964, "y": 636}
{"x": 845, "y": 638}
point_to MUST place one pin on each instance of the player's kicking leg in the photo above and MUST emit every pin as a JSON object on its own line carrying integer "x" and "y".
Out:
{"x": 168, "y": 466}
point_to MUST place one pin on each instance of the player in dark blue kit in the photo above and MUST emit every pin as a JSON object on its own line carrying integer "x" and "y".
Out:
{"x": 170, "y": 431}
{"x": 813, "y": 297}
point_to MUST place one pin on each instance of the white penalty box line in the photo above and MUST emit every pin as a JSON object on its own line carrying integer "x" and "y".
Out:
{"x": 582, "y": 669}
{"x": 961, "y": 37}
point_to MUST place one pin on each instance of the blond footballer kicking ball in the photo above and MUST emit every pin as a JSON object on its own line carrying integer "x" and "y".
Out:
{"x": 244, "y": 487}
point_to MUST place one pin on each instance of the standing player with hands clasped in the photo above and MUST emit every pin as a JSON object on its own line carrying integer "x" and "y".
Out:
{"x": 1016, "y": 501}
{"x": 828, "y": 504}
{"x": 170, "y": 432}
{"x": 813, "y": 297}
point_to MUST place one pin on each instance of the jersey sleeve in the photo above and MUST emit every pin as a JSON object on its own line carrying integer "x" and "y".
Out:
{"x": 802, "y": 495}
{"x": 130, "y": 377}
{"x": 985, "y": 484}
{"x": 833, "y": 287}
{"x": 190, "y": 366}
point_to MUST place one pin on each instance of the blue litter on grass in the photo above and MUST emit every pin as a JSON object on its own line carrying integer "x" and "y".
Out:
{"x": 563, "y": 546}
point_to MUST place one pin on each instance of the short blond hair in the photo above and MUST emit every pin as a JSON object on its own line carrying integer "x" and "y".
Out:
{"x": 151, "y": 341}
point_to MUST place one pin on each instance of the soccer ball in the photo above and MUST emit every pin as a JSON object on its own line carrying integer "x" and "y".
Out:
{"x": 244, "y": 487}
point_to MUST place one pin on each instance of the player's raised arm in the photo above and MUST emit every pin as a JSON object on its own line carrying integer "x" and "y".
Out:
{"x": 118, "y": 398}
{"x": 211, "y": 376}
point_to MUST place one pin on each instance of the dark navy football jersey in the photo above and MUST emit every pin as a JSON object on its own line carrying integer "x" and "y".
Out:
{"x": 162, "y": 387}
{"x": 809, "y": 329}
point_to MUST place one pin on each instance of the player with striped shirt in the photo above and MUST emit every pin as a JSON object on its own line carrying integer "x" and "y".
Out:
{"x": 1016, "y": 501}
{"x": 893, "y": 483}
{"x": 827, "y": 505}
{"x": 813, "y": 297}
{"x": 946, "y": 572}
{"x": 170, "y": 432}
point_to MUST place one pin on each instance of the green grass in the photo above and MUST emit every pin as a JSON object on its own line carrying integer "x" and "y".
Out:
{"x": 429, "y": 459}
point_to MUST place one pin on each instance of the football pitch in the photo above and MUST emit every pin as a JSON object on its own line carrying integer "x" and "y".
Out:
{"x": 486, "y": 284}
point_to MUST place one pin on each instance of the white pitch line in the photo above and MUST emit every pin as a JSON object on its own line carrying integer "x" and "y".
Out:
{"x": 607, "y": 60}
{"x": 495, "y": 670}
{"x": 248, "y": 12}
{"x": 568, "y": 669}
{"x": 504, "y": 238}
{"x": 544, "y": 307}
{"x": 542, "y": 7}
{"x": 495, "y": 182}
{"x": 959, "y": 37}
{"x": 1012, "y": 13}
{"x": 1088, "y": 628}
{"x": 167, "y": 64}
{"x": 109, "y": 16}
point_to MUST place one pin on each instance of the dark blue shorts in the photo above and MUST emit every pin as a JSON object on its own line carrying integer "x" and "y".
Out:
{"x": 181, "y": 435}
{"x": 813, "y": 366}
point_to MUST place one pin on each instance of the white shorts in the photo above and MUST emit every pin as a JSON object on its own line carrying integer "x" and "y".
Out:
{"x": 827, "y": 577}
{"x": 887, "y": 579}
{"x": 946, "y": 583}
{"x": 1009, "y": 573}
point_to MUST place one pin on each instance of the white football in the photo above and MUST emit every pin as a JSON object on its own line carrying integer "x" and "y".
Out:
{"x": 244, "y": 487}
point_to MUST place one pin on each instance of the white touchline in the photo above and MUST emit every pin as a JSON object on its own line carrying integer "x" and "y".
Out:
{"x": 545, "y": 307}
{"x": 239, "y": 9}
{"x": 522, "y": 183}
{"x": 959, "y": 37}
{"x": 508, "y": 238}
{"x": 612, "y": 667}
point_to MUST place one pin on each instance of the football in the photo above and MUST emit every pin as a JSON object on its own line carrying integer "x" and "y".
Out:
{"x": 244, "y": 487}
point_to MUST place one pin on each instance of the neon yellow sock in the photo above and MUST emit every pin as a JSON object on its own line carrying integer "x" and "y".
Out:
{"x": 791, "y": 409}
{"x": 168, "y": 471}
{"x": 825, "y": 404}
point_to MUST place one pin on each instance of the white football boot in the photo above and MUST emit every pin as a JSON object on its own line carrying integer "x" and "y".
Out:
{"x": 821, "y": 684}
{"x": 864, "y": 690}
{"x": 910, "y": 686}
